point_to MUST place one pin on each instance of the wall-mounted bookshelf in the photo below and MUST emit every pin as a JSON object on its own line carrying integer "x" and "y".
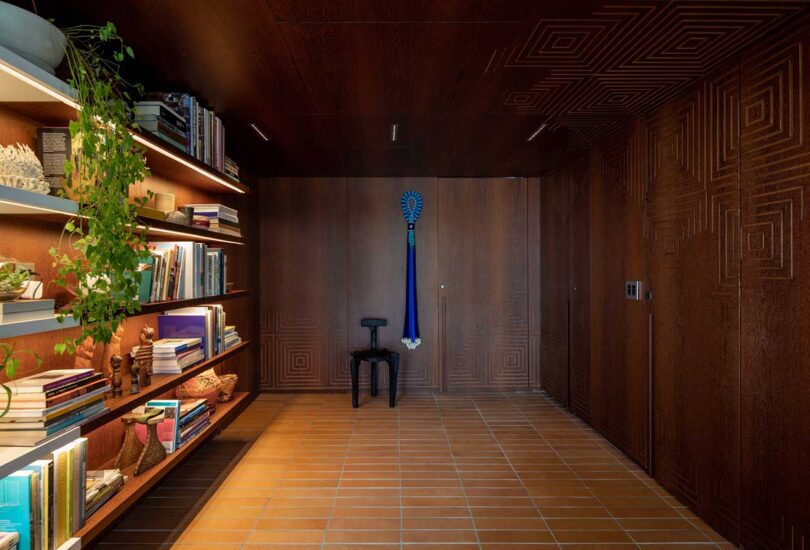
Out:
{"x": 31, "y": 98}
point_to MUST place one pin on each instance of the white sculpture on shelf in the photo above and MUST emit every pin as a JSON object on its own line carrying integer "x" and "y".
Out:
{"x": 20, "y": 168}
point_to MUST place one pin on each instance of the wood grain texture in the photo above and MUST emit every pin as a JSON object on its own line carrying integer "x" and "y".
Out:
{"x": 775, "y": 250}
{"x": 377, "y": 264}
{"x": 535, "y": 277}
{"x": 555, "y": 283}
{"x": 579, "y": 295}
{"x": 303, "y": 243}
{"x": 694, "y": 277}
{"x": 483, "y": 265}
{"x": 618, "y": 361}
{"x": 468, "y": 81}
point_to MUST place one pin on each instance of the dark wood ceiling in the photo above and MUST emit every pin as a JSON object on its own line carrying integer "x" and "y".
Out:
{"x": 467, "y": 81}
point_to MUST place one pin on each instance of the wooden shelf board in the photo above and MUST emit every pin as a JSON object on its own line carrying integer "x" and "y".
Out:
{"x": 14, "y": 458}
{"x": 17, "y": 202}
{"x": 39, "y": 95}
{"x": 47, "y": 323}
{"x": 157, "y": 307}
{"x": 137, "y": 487}
{"x": 161, "y": 383}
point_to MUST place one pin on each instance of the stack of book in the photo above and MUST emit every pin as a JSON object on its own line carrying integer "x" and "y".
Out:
{"x": 44, "y": 503}
{"x": 101, "y": 486}
{"x": 182, "y": 420}
{"x": 231, "y": 169}
{"x": 25, "y": 310}
{"x": 220, "y": 218}
{"x": 194, "y": 417}
{"x": 174, "y": 355}
{"x": 205, "y": 322}
{"x": 163, "y": 121}
{"x": 204, "y": 132}
{"x": 231, "y": 337}
{"x": 182, "y": 270}
{"x": 45, "y": 404}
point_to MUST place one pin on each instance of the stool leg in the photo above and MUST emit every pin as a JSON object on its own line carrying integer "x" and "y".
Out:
{"x": 354, "y": 366}
{"x": 373, "y": 378}
{"x": 393, "y": 372}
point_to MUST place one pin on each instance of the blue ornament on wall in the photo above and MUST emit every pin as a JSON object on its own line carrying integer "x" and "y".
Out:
{"x": 411, "y": 209}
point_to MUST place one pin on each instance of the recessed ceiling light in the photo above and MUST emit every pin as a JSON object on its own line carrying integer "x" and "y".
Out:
{"x": 537, "y": 131}
{"x": 394, "y": 129}
{"x": 261, "y": 134}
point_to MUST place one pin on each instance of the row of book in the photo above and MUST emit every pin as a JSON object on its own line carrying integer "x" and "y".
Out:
{"x": 182, "y": 421}
{"x": 182, "y": 270}
{"x": 216, "y": 217}
{"x": 48, "y": 403}
{"x": 101, "y": 486}
{"x": 163, "y": 122}
{"x": 203, "y": 133}
{"x": 44, "y": 503}
{"x": 208, "y": 323}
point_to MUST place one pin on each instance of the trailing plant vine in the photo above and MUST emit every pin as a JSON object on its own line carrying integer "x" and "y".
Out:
{"x": 106, "y": 244}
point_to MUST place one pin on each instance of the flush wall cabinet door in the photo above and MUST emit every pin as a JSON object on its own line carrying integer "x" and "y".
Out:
{"x": 483, "y": 267}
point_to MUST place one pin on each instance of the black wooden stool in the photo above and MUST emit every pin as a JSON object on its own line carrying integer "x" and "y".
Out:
{"x": 374, "y": 356}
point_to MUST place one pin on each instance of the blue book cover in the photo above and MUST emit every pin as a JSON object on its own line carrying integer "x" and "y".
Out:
{"x": 184, "y": 326}
{"x": 17, "y": 502}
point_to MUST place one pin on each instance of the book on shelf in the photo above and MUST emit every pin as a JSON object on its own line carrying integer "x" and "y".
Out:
{"x": 168, "y": 431}
{"x": 25, "y": 310}
{"x": 101, "y": 486}
{"x": 53, "y": 149}
{"x": 20, "y": 507}
{"x": 204, "y": 322}
{"x": 204, "y": 132}
{"x": 48, "y": 380}
{"x": 174, "y": 355}
{"x": 231, "y": 169}
{"x": 220, "y": 218}
{"x": 35, "y": 416}
{"x": 183, "y": 270}
{"x": 44, "y": 470}
{"x": 9, "y": 541}
{"x": 69, "y": 481}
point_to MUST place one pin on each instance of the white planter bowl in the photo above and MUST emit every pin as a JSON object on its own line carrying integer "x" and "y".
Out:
{"x": 31, "y": 37}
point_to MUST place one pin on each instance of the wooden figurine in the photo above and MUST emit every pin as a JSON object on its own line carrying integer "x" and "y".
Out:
{"x": 144, "y": 355}
{"x": 135, "y": 371}
{"x": 115, "y": 379}
{"x": 153, "y": 451}
{"x": 132, "y": 447}
{"x": 84, "y": 354}
{"x": 113, "y": 348}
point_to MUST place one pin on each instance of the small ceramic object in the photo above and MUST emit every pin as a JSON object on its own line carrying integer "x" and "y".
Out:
{"x": 20, "y": 168}
{"x": 32, "y": 37}
{"x": 165, "y": 202}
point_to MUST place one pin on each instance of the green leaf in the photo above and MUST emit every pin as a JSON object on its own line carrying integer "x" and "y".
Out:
{"x": 130, "y": 52}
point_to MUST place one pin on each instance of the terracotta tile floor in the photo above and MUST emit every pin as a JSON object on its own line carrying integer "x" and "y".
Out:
{"x": 455, "y": 471}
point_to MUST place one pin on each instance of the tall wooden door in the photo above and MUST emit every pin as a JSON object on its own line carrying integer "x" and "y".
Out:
{"x": 483, "y": 283}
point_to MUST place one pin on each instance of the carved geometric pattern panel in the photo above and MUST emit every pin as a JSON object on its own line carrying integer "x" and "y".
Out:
{"x": 775, "y": 148}
{"x": 627, "y": 58}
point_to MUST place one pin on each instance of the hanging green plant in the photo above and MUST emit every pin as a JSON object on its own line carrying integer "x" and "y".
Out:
{"x": 105, "y": 243}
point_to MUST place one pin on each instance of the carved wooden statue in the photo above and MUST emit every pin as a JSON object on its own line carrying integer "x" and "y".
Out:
{"x": 115, "y": 379}
{"x": 132, "y": 447}
{"x": 135, "y": 371}
{"x": 113, "y": 348}
{"x": 144, "y": 355}
{"x": 84, "y": 354}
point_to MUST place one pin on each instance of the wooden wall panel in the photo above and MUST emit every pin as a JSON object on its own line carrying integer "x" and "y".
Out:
{"x": 579, "y": 295}
{"x": 303, "y": 284}
{"x": 483, "y": 265}
{"x": 377, "y": 264}
{"x": 535, "y": 267}
{"x": 775, "y": 144}
{"x": 555, "y": 277}
{"x": 694, "y": 277}
{"x": 618, "y": 365}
